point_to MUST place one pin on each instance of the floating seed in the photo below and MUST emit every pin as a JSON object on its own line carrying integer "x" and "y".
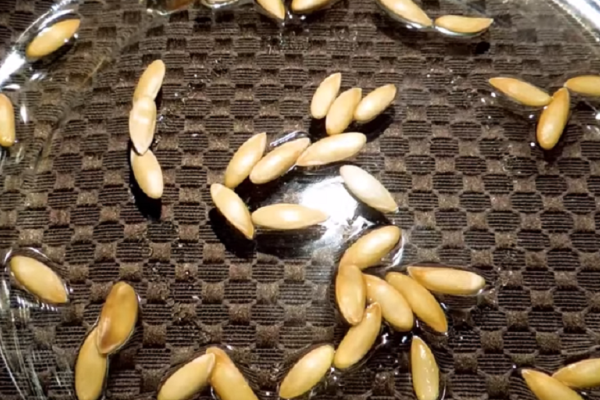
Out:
{"x": 350, "y": 293}
{"x": 521, "y": 92}
{"x": 91, "y": 369}
{"x": 327, "y": 91}
{"x": 147, "y": 173}
{"x": 545, "y": 387}
{"x": 341, "y": 112}
{"x": 232, "y": 208}
{"x": 580, "y": 375}
{"x": 151, "y": 81}
{"x": 394, "y": 307}
{"x": 587, "y": 85}
{"x": 332, "y": 149}
{"x": 307, "y": 372}
{"x": 227, "y": 381}
{"x": 117, "y": 319}
{"x": 359, "y": 339}
{"x": 421, "y": 301}
{"x": 287, "y": 216}
{"x": 447, "y": 280}
{"x": 553, "y": 120}
{"x": 408, "y": 11}
{"x": 370, "y": 249}
{"x": 142, "y": 123}
{"x": 463, "y": 25}
{"x": 274, "y": 8}
{"x": 7, "y": 122}
{"x": 38, "y": 279}
{"x": 52, "y": 38}
{"x": 375, "y": 103}
{"x": 244, "y": 159}
{"x": 367, "y": 189}
{"x": 278, "y": 161}
{"x": 188, "y": 380}
{"x": 425, "y": 371}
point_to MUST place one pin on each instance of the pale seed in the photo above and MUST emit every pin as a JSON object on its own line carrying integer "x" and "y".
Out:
{"x": 367, "y": 189}
{"x": 521, "y": 92}
{"x": 447, "y": 280}
{"x": 553, "y": 119}
{"x": 117, "y": 319}
{"x": 408, "y": 11}
{"x": 581, "y": 375}
{"x": 91, "y": 369}
{"x": 38, "y": 279}
{"x": 421, "y": 301}
{"x": 463, "y": 25}
{"x": 327, "y": 91}
{"x": 227, "y": 381}
{"x": 308, "y": 6}
{"x": 142, "y": 123}
{"x": 52, "y": 38}
{"x": 375, "y": 103}
{"x": 588, "y": 85}
{"x": 232, "y": 208}
{"x": 332, "y": 149}
{"x": 244, "y": 159}
{"x": 151, "y": 81}
{"x": 278, "y": 161}
{"x": 359, "y": 339}
{"x": 307, "y": 372}
{"x": 545, "y": 387}
{"x": 371, "y": 248}
{"x": 341, "y": 112}
{"x": 188, "y": 380}
{"x": 287, "y": 216}
{"x": 7, "y": 122}
{"x": 147, "y": 173}
{"x": 350, "y": 293}
{"x": 274, "y": 8}
{"x": 394, "y": 307}
{"x": 425, "y": 371}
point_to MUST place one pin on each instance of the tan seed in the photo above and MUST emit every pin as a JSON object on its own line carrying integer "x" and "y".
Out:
{"x": 274, "y": 8}
{"x": 91, "y": 369}
{"x": 367, "y": 189}
{"x": 142, "y": 123}
{"x": 327, "y": 91}
{"x": 188, "y": 380}
{"x": 307, "y": 372}
{"x": 545, "y": 387}
{"x": 371, "y": 248}
{"x": 425, "y": 371}
{"x": 117, "y": 319}
{"x": 359, "y": 339}
{"x": 521, "y": 92}
{"x": 232, "y": 208}
{"x": 463, "y": 25}
{"x": 287, "y": 216}
{"x": 227, "y": 381}
{"x": 151, "y": 81}
{"x": 7, "y": 122}
{"x": 38, "y": 279}
{"x": 341, "y": 112}
{"x": 332, "y": 149}
{"x": 394, "y": 307}
{"x": 278, "y": 161}
{"x": 580, "y": 375}
{"x": 588, "y": 85}
{"x": 244, "y": 159}
{"x": 350, "y": 293}
{"x": 553, "y": 119}
{"x": 447, "y": 280}
{"x": 375, "y": 103}
{"x": 52, "y": 38}
{"x": 147, "y": 173}
{"x": 421, "y": 301}
{"x": 408, "y": 11}
{"x": 308, "y": 6}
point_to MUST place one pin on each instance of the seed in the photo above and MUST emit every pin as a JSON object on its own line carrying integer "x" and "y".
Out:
{"x": 332, "y": 149}
{"x": 91, "y": 369}
{"x": 521, "y": 92}
{"x": 553, "y": 119}
{"x": 151, "y": 81}
{"x": 447, "y": 280}
{"x": 367, "y": 189}
{"x": 407, "y": 10}
{"x": 7, "y": 122}
{"x": 278, "y": 161}
{"x": 308, "y": 6}
{"x": 545, "y": 387}
{"x": 227, "y": 380}
{"x": 287, "y": 216}
{"x": 244, "y": 159}
{"x": 232, "y": 208}
{"x": 274, "y": 8}
{"x": 375, "y": 103}
{"x": 582, "y": 374}
{"x": 394, "y": 307}
{"x": 328, "y": 89}
{"x": 142, "y": 122}
{"x": 341, "y": 111}
{"x": 307, "y": 372}
{"x": 147, "y": 173}
{"x": 188, "y": 380}
{"x": 117, "y": 319}
{"x": 370, "y": 249}
{"x": 350, "y": 293}
{"x": 465, "y": 25}
{"x": 425, "y": 371}
{"x": 421, "y": 301}
{"x": 359, "y": 339}
{"x": 52, "y": 38}
{"x": 38, "y": 279}
{"x": 588, "y": 85}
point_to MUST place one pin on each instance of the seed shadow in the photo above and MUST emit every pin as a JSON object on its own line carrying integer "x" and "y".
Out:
{"x": 254, "y": 196}
{"x": 150, "y": 208}
{"x": 229, "y": 236}
{"x": 316, "y": 129}
{"x": 377, "y": 127}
